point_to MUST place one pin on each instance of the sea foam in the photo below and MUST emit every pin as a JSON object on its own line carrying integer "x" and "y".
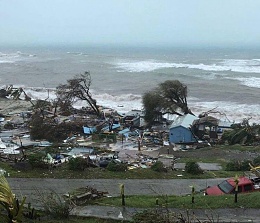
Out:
{"x": 127, "y": 102}
{"x": 244, "y": 66}
{"x": 15, "y": 57}
{"x": 249, "y": 81}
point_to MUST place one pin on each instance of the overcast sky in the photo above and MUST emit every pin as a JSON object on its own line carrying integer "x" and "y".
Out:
{"x": 131, "y": 22}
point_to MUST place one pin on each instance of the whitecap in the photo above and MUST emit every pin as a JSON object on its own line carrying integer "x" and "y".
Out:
{"x": 231, "y": 111}
{"x": 246, "y": 66}
{"x": 6, "y": 61}
{"x": 248, "y": 81}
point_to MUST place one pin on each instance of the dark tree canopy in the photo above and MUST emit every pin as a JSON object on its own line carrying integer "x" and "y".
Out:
{"x": 151, "y": 102}
{"x": 77, "y": 88}
{"x": 170, "y": 97}
{"x": 242, "y": 133}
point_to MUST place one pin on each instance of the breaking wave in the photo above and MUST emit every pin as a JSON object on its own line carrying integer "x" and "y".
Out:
{"x": 249, "y": 81}
{"x": 122, "y": 103}
{"x": 244, "y": 66}
{"x": 127, "y": 102}
{"x": 230, "y": 111}
{"x": 14, "y": 57}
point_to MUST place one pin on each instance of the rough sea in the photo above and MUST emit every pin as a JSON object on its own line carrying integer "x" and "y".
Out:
{"x": 226, "y": 80}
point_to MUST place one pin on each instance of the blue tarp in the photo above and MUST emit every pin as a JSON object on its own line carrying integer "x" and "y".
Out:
{"x": 124, "y": 132}
{"x": 114, "y": 126}
{"x": 127, "y": 132}
{"x": 89, "y": 130}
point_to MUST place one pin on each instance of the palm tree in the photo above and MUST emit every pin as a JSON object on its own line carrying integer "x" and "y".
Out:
{"x": 10, "y": 203}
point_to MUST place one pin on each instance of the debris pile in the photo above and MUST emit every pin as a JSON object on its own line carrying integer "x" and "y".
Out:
{"x": 84, "y": 195}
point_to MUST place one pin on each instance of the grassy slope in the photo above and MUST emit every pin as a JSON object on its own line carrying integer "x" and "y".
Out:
{"x": 101, "y": 173}
{"x": 250, "y": 200}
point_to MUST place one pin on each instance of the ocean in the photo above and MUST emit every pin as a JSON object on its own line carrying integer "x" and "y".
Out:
{"x": 225, "y": 80}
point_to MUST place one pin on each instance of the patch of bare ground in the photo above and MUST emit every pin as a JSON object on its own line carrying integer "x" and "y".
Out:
{"x": 210, "y": 153}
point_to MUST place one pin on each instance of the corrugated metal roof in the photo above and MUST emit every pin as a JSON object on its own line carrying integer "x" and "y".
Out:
{"x": 185, "y": 121}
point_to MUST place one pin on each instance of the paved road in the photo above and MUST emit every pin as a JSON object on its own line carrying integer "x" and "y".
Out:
{"x": 30, "y": 187}
{"x": 27, "y": 187}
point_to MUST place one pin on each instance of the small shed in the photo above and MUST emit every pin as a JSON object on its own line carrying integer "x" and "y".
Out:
{"x": 180, "y": 131}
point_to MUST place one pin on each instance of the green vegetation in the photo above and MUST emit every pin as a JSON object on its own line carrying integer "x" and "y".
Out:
{"x": 158, "y": 166}
{"x": 242, "y": 133}
{"x": 36, "y": 160}
{"x": 170, "y": 97}
{"x": 236, "y": 165}
{"x": 219, "y": 154}
{"x": 193, "y": 168}
{"x": 250, "y": 200}
{"x": 42, "y": 127}
{"x": 256, "y": 161}
{"x": 63, "y": 171}
{"x": 117, "y": 167}
{"x": 78, "y": 163}
{"x": 11, "y": 210}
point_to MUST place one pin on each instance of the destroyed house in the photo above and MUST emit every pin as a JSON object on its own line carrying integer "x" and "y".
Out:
{"x": 134, "y": 118}
{"x": 206, "y": 128}
{"x": 180, "y": 130}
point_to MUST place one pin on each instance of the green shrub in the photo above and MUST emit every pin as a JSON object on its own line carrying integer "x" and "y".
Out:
{"x": 78, "y": 163}
{"x": 117, "y": 167}
{"x": 233, "y": 166}
{"x": 158, "y": 166}
{"x": 245, "y": 165}
{"x": 36, "y": 160}
{"x": 236, "y": 165}
{"x": 193, "y": 168}
{"x": 256, "y": 161}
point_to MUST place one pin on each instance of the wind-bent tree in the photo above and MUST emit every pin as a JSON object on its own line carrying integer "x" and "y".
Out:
{"x": 170, "y": 97}
{"x": 77, "y": 88}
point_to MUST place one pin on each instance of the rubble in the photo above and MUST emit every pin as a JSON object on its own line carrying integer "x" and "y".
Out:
{"x": 123, "y": 135}
{"x": 83, "y": 195}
